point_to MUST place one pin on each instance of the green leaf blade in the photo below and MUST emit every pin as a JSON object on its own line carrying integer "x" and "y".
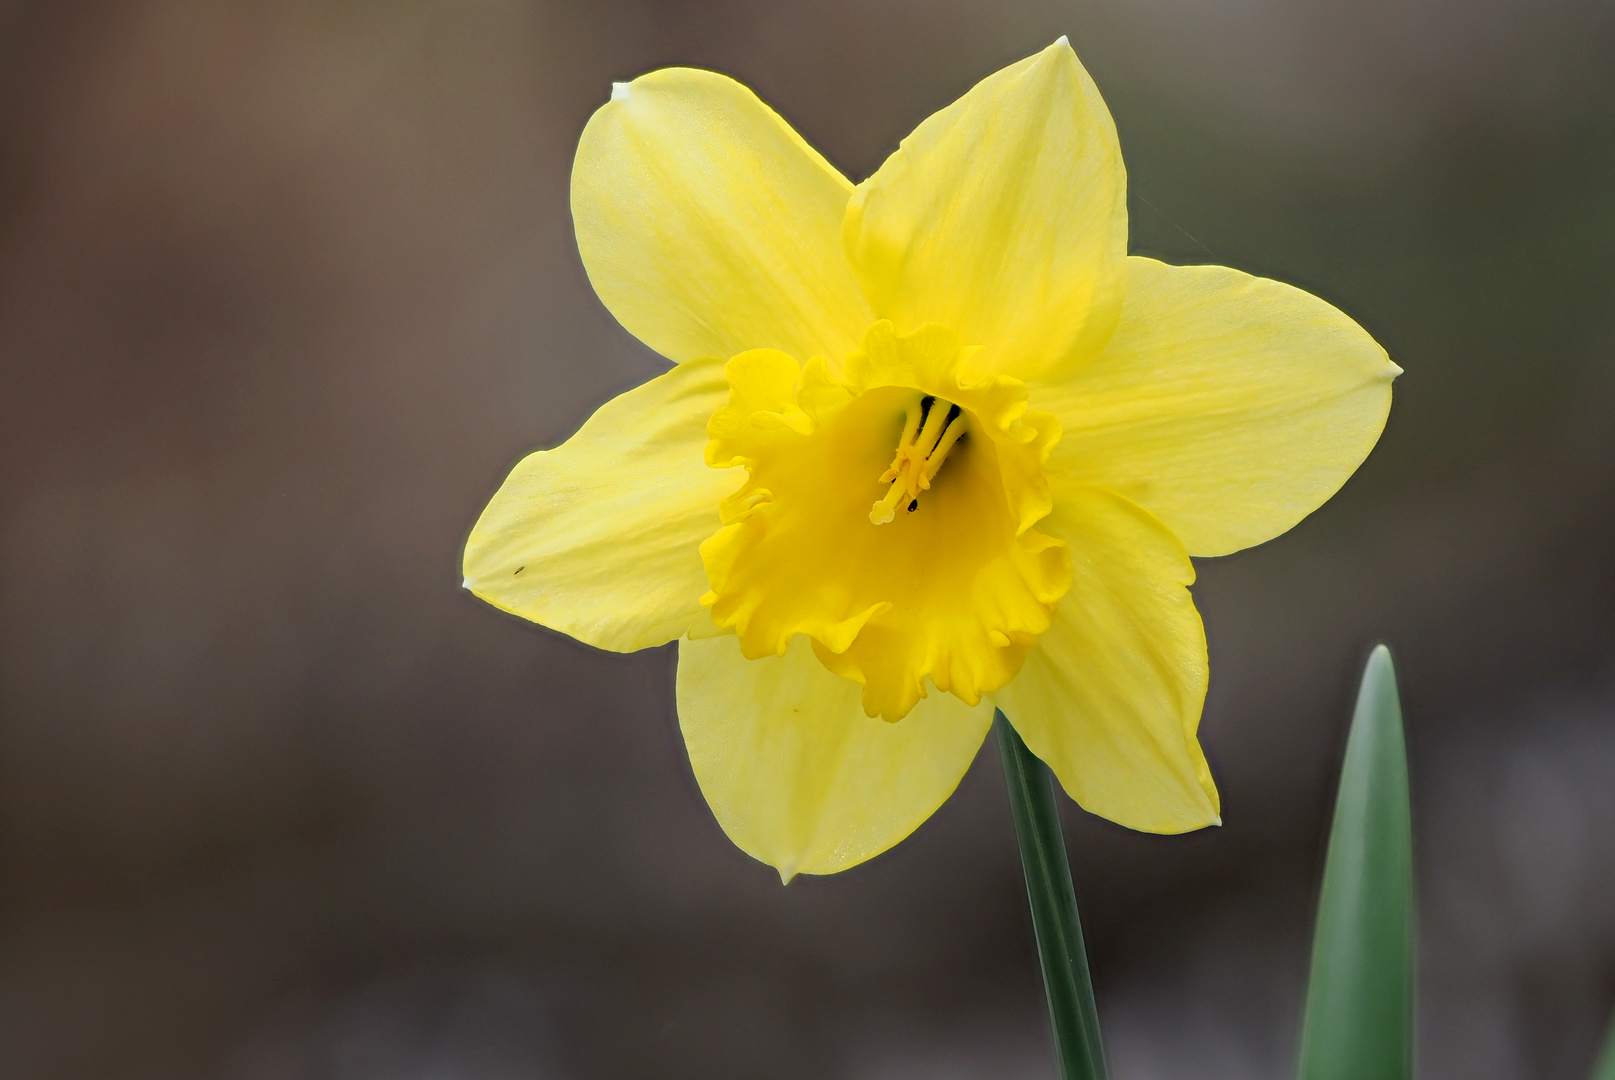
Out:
{"x": 1604, "y": 1067}
{"x": 1359, "y": 1014}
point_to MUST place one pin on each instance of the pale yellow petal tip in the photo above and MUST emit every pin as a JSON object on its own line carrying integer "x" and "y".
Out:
{"x": 1217, "y": 821}
{"x": 466, "y": 585}
{"x": 619, "y": 91}
{"x": 1062, "y": 40}
{"x": 1396, "y": 369}
{"x": 786, "y": 873}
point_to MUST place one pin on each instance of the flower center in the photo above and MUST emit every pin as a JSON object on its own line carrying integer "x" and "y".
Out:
{"x": 929, "y": 432}
{"x": 947, "y": 600}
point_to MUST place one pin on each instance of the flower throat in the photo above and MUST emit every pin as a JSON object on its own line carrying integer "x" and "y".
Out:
{"x": 929, "y": 433}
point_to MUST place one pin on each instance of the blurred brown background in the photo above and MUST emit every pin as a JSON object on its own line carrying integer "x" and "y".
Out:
{"x": 286, "y": 287}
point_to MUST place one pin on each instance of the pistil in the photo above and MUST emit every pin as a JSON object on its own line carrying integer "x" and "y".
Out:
{"x": 929, "y": 433}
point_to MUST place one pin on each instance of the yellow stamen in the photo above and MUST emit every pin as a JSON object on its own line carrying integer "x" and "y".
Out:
{"x": 955, "y": 431}
{"x": 911, "y": 424}
{"x": 905, "y": 445}
{"x": 886, "y": 509}
{"x": 934, "y": 420}
{"x": 918, "y": 459}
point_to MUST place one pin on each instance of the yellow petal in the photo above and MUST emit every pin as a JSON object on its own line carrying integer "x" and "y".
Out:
{"x": 1111, "y": 695}
{"x": 795, "y": 772}
{"x": 1004, "y": 216}
{"x": 707, "y": 225}
{"x": 1227, "y": 405}
{"x": 600, "y": 537}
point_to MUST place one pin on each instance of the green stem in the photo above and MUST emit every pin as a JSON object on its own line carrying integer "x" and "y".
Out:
{"x": 1054, "y": 910}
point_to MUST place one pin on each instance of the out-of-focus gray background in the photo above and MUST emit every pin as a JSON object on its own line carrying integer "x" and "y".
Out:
{"x": 286, "y": 287}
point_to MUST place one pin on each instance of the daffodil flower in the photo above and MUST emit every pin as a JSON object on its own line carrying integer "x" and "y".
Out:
{"x": 931, "y": 444}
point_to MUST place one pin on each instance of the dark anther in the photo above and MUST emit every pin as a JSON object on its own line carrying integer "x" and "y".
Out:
{"x": 953, "y": 414}
{"x": 925, "y": 408}
{"x": 913, "y": 506}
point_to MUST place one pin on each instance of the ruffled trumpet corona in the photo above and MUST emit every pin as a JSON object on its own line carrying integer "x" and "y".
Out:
{"x": 930, "y": 444}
